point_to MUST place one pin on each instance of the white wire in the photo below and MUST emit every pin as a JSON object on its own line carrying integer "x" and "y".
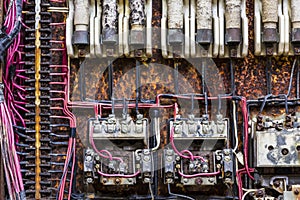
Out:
{"x": 235, "y": 127}
{"x": 157, "y": 134}
{"x": 151, "y": 192}
{"x": 179, "y": 195}
{"x": 249, "y": 191}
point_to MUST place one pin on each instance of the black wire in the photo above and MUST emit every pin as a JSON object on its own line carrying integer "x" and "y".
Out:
{"x": 137, "y": 79}
{"x": 82, "y": 82}
{"x": 264, "y": 102}
{"x": 232, "y": 71}
{"x": 203, "y": 75}
{"x": 7, "y": 40}
{"x": 176, "y": 77}
{"x": 192, "y": 106}
{"x": 298, "y": 76}
{"x": 74, "y": 194}
{"x": 219, "y": 104}
{"x": 206, "y": 103}
{"x": 268, "y": 76}
{"x": 113, "y": 106}
{"x": 291, "y": 78}
{"x": 110, "y": 79}
{"x": 64, "y": 173}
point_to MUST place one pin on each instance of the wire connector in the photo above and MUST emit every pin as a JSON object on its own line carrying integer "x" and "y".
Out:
{"x": 73, "y": 133}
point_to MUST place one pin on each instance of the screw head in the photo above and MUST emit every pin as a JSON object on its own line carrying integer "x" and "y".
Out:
{"x": 198, "y": 181}
{"x": 169, "y": 152}
{"x": 117, "y": 181}
{"x": 211, "y": 180}
{"x": 169, "y": 158}
{"x": 104, "y": 180}
{"x": 89, "y": 180}
{"x": 88, "y": 158}
{"x": 276, "y": 183}
{"x": 227, "y": 158}
{"x": 185, "y": 180}
{"x": 146, "y": 158}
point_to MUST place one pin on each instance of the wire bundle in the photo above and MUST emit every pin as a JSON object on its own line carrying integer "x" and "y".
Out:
{"x": 9, "y": 155}
{"x": 12, "y": 99}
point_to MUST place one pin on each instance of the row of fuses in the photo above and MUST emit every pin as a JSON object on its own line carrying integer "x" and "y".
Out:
{"x": 189, "y": 28}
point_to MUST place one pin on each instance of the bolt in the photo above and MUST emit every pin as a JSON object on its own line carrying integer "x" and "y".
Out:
{"x": 227, "y": 158}
{"x": 104, "y": 180}
{"x": 97, "y": 158}
{"x": 218, "y": 157}
{"x": 227, "y": 180}
{"x": 177, "y": 166}
{"x": 185, "y": 180}
{"x": 89, "y": 180}
{"x": 130, "y": 180}
{"x": 198, "y": 181}
{"x": 146, "y": 158}
{"x": 169, "y": 158}
{"x": 226, "y": 151}
{"x": 259, "y": 193}
{"x": 296, "y": 192}
{"x": 88, "y": 152}
{"x": 89, "y": 158}
{"x": 117, "y": 181}
{"x": 169, "y": 152}
{"x": 169, "y": 180}
{"x": 147, "y": 180}
{"x": 211, "y": 180}
{"x": 97, "y": 166}
{"x": 276, "y": 183}
{"x": 177, "y": 158}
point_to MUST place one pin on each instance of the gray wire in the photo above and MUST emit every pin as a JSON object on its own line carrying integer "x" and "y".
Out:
{"x": 179, "y": 195}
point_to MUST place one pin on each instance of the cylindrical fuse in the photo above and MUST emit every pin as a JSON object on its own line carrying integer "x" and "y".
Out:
{"x": 175, "y": 14}
{"x": 137, "y": 14}
{"x": 137, "y": 22}
{"x": 295, "y": 18}
{"x": 81, "y": 23}
{"x": 204, "y": 21}
{"x": 109, "y": 19}
{"x": 204, "y": 14}
{"x": 175, "y": 21}
{"x": 270, "y": 20}
{"x": 233, "y": 21}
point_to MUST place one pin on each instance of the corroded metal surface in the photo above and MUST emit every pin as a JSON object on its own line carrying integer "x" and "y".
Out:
{"x": 250, "y": 81}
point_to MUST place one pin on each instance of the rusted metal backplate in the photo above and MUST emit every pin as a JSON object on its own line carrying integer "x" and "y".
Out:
{"x": 157, "y": 78}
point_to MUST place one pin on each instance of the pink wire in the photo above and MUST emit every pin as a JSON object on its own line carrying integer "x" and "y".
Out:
{"x": 119, "y": 175}
{"x": 198, "y": 175}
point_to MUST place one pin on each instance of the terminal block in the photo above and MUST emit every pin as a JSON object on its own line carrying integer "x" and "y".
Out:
{"x": 200, "y": 128}
{"x": 124, "y": 128}
{"x": 187, "y": 171}
{"x": 277, "y": 141}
